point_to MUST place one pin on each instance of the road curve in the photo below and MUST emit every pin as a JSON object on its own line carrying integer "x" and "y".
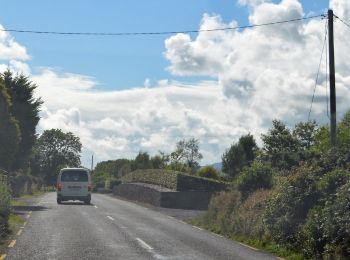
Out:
{"x": 115, "y": 229}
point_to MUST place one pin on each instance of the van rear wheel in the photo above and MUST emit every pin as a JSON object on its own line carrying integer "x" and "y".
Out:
{"x": 59, "y": 201}
{"x": 87, "y": 201}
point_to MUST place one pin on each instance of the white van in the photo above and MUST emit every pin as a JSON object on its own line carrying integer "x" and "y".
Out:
{"x": 74, "y": 184}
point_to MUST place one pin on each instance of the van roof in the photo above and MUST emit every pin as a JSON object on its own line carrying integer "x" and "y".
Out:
{"x": 64, "y": 169}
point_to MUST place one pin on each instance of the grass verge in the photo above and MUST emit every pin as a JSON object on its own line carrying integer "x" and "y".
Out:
{"x": 266, "y": 246}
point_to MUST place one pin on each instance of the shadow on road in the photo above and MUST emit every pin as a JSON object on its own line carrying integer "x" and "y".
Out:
{"x": 22, "y": 210}
{"x": 76, "y": 203}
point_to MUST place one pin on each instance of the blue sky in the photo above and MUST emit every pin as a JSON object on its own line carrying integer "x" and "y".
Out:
{"x": 115, "y": 62}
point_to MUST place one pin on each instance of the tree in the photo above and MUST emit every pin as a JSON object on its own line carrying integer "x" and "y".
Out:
{"x": 281, "y": 147}
{"x": 305, "y": 133}
{"x": 9, "y": 130}
{"x": 25, "y": 108}
{"x": 239, "y": 155}
{"x": 142, "y": 161}
{"x": 159, "y": 161}
{"x": 186, "y": 157}
{"x": 55, "y": 150}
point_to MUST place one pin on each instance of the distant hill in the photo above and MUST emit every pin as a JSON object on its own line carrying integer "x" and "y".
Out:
{"x": 217, "y": 166}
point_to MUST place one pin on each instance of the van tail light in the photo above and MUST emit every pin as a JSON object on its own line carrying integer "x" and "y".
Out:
{"x": 59, "y": 186}
{"x": 89, "y": 187}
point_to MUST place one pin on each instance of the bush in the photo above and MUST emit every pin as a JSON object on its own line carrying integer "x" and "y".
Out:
{"x": 208, "y": 172}
{"x": 248, "y": 220}
{"x": 4, "y": 206}
{"x": 289, "y": 206}
{"x": 327, "y": 230}
{"x": 220, "y": 209}
{"x": 257, "y": 176}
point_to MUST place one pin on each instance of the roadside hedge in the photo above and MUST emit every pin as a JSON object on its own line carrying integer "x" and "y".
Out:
{"x": 174, "y": 180}
{"x": 5, "y": 208}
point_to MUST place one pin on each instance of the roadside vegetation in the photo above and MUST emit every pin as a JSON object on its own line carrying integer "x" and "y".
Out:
{"x": 291, "y": 196}
{"x": 28, "y": 161}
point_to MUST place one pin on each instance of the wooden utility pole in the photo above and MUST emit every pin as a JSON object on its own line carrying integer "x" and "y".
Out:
{"x": 92, "y": 162}
{"x": 332, "y": 79}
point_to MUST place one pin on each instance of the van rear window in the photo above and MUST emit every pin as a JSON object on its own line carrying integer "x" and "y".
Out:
{"x": 74, "y": 176}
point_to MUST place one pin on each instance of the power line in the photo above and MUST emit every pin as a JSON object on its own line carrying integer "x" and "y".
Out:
{"x": 343, "y": 21}
{"x": 318, "y": 71}
{"x": 160, "y": 33}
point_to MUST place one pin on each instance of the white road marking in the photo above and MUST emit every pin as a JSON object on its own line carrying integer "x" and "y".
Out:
{"x": 183, "y": 222}
{"x": 170, "y": 217}
{"x": 110, "y": 218}
{"x": 144, "y": 244}
{"x": 95, "y": 207}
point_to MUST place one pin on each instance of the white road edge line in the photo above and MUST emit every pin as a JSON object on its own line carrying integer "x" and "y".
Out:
{"x": 253, "y": 248}
{"x": 110, "y": 218}
{"x": 144, "y": 244}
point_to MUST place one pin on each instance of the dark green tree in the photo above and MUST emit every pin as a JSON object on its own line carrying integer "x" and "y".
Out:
{"x": 25, "y": 108}
{"x": 142, "y": 161}
{"x": 239, "y": 155}
{"x": 55, "y": 150}
{"x": 281, "y": 147}
{"x": 9, "y": 131}
{"x": 305, "y": 133}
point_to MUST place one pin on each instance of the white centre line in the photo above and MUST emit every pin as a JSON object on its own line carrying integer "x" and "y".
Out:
{"x": 110, "y": 218}
{"x": 144, "y": 244}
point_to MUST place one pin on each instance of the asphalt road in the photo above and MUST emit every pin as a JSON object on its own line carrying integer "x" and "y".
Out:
{"x": 116, "y": 229}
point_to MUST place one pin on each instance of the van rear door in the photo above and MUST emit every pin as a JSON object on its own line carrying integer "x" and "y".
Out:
{"x": 74, "y": 183}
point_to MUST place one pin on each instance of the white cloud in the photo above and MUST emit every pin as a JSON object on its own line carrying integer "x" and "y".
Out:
{"x": 258, "y": 74}
{"x": 269, "y": 72}
{"x": 10, "y": 49}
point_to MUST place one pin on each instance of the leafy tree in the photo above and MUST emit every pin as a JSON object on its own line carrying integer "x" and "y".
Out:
{"x": 305, "y": 133}
{"x": 9, "y": 130}
{"x": 142, "y": 161}
{"x": 186, "y": 157}
{"x": 208, "y": 172}
{"x": 160, "y": 161}
{"x": 56, "y": 149}
{"x": 239, "y": 155}
{"x": 25, "y": 108}
{"x": 281, "y": 147}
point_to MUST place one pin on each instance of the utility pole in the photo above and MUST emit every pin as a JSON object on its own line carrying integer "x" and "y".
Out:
{"x": 92, "y": 162}
{"x": 332, "y": 79}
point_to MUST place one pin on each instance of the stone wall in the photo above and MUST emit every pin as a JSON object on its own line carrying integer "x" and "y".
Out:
{"x": 162, "y": 197}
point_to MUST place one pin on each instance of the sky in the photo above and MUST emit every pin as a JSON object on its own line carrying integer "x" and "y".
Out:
{"x": 126, "y": 94}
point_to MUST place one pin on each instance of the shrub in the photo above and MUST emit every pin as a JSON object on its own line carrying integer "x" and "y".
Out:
{"x": 327, "y": 230}
{"x": 288, "y": 207}
{"x": 220, "y": 209}
{"x": 257, "y": 176}
{"x": 4, "y": 206}
{"x": 208, "y": 172}
{"x": 248, "y": 220}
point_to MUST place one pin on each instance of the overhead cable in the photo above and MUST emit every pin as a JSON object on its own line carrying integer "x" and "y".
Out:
{"x": 161, "y": 33}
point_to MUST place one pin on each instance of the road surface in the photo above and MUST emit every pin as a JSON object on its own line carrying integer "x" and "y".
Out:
{"x": 111, "y": 228}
